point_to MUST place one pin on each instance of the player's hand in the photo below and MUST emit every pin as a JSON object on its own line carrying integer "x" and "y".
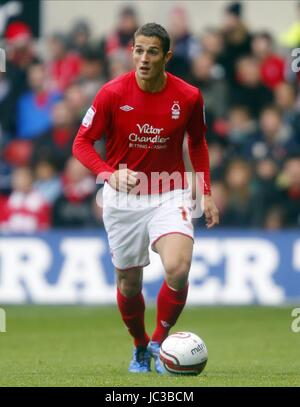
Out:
{"x": 123, "y": 180}
{"x": 211, "y": 212}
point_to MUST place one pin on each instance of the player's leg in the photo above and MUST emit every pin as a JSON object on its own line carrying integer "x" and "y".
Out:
{"x": 126, "y": 226}
{"x": 132, "y": 308}
{"x": 131, "y": 303}
{"x": 175, "y": 251}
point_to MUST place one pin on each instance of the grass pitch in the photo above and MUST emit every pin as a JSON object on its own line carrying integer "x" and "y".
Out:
{"x": 89, "y": 346}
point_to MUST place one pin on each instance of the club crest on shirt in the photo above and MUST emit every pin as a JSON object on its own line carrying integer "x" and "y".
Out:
{"x": 175, "y": 110}
{"x": 88, "y": 118}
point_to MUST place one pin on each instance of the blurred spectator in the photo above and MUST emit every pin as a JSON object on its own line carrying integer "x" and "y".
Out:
{"x": 274, "y": 139}
{"x": 80, "y": 36}
{"x": 7, "y": 106}
{"x": 18, "y": 152}
{"x": 19, "y": 42}
{"x": 64, "y": 65}
{"x": 5, "y": 177}
{"x": 286, "y": 99}
{"x": 119, "y": 62}
{"x": 241, "y": 203}
{"x": 214, "y": 90}
{"x": 55, "y": 145}
{"x": 25, "y": 210}
{"x": 266, "y": 191}
{"x": 242, "y": 128}
{"x": 237, "y": 39}
{"x": 274, "y": 219}
{"x": 77, "y": 102}
{"x": 289, "y": 183}
{"x": 221, "y": 196}
{"x": 121, "y": 37}
{"x": 183, "y": 44}
{"x": 47, "y": 182}
{"x": 212, "y": 42}
{"x": 249, "y": 91}
{"x": 73, "y": 208}
{"x": 20, "y": 54}
{"x": 35, "y": 107}
{"x": 272, "y": 66}
{"x": 217, "y": 157}
{"x": 92, "y": 75}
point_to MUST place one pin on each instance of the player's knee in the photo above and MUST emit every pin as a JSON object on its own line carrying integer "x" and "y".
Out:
{"x": 177, "y": 273}
{"x": 177, "y": 266}
{"x": 129, "y": 281}
{"x": 129, "y": 288}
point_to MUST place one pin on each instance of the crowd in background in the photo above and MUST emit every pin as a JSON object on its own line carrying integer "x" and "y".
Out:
{"x": 252, "y": 103}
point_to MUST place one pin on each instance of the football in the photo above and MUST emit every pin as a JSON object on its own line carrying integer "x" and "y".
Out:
{"x": 183, "y": 353}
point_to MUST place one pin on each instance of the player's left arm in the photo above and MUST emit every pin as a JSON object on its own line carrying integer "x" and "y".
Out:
{"x": 198, "y": 151}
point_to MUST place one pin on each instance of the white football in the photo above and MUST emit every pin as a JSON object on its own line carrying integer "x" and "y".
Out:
{"x": 183, "y": 353}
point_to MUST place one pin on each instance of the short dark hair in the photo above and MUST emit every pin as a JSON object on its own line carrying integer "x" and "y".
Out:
{"x": 91, "y": 54}
{"x": 154, "y": 30}
{"x": 265, "y": 35}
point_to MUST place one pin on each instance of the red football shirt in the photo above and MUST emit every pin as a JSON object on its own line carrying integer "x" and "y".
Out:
{"x": 272, "y": 71}
{"x": 144, "y": 131}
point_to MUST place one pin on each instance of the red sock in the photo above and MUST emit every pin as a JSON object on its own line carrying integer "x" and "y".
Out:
{"x": 132, "y": 310}
{"x": 170, "y": 303}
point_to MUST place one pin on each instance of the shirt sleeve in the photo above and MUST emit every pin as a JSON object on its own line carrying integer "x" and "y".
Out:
{"x": 197, "y": 145}
{"x": 94, "y": 124}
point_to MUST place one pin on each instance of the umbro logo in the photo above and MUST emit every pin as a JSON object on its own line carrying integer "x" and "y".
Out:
{"x": 165, "y": 324}
{"x": 126, "y": 108}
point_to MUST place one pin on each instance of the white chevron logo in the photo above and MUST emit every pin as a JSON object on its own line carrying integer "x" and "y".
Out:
{"x": 165, "y": 324}
{"x": 126, "y": 108}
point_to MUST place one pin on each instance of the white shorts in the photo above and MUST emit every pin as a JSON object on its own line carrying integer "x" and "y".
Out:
{"x": 133, "y": 223}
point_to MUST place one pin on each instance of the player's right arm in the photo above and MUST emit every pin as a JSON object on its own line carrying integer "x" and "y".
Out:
{"x": 95, "y": 123}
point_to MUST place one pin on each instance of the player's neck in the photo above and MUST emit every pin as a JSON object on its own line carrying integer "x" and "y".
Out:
{"x": 152, "y": 86}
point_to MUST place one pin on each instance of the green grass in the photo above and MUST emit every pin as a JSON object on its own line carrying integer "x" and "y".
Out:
{"x": 89, "y": 346}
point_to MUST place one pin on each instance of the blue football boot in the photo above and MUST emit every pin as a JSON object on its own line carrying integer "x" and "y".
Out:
{"x": 140, "y": 362}
{"x": 153, "y": 348}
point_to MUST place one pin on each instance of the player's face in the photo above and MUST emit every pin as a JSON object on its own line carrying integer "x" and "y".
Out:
{"x": 149, "y": 58}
